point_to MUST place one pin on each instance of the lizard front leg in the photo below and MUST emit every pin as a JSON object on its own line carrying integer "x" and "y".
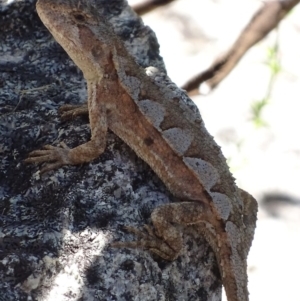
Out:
{"x": 165, "y": 239}
{"x": 55, "y": 157}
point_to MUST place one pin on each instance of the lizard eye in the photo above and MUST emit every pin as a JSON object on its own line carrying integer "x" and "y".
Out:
{"x": 79, "y": 17}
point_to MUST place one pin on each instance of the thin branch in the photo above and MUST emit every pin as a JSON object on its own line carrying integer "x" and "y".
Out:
{"x": 264, "y": 21}
{"x": 149, "y": 5}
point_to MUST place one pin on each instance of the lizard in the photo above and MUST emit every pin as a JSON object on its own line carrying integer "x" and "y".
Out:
{"x": 164, "y": 131}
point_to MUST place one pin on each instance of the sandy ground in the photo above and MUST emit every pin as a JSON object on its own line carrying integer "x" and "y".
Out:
{"x": 265, "y": 160}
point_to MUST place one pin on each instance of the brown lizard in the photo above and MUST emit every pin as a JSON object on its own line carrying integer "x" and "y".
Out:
{"x": 164, "y": 131}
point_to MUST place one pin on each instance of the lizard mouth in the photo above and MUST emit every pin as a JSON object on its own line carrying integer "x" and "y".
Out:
{"x": 74, "y": 37}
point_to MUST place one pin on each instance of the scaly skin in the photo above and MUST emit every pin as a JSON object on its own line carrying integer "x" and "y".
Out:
{"x": 164, "y": 132}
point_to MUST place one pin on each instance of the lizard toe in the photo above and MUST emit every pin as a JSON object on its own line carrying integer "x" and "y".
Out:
{"x": 72, "y": 111}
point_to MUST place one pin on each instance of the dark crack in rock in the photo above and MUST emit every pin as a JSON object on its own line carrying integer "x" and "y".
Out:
{"x": 55, "y": 229}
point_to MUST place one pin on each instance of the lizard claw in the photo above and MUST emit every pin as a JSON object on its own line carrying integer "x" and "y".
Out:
{"x": 58, "y": 156}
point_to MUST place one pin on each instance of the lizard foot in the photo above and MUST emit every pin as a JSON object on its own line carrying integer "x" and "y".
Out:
{"x": 72, "y": 111}
{"x": 58, "y": 156}
{"x": 164, "y": 238}
{"x": 147, "y": 239}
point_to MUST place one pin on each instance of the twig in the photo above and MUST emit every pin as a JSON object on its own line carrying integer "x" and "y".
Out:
{"x": 147, "y": 6}
{"x": 264, "y": 21}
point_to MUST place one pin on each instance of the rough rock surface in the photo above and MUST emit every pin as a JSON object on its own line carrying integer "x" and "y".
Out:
{"x": 55, "y": 228}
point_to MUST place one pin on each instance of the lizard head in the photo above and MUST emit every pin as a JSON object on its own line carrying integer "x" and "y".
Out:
{"x": 85, "y": 36}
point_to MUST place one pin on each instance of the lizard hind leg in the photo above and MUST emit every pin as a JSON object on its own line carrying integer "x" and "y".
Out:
{"x": 165, "y": 239}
